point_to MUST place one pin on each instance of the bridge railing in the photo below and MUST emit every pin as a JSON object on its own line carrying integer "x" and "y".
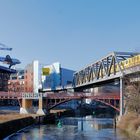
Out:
{"x": 78, "y": 95}
{"x": 28, "y": 95}
{"x": 10, "y": 94}
{"x": 63, "y": 95}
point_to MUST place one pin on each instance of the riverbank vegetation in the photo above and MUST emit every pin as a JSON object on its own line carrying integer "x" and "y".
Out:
{"x": 10, "y": 116}
{"x": 130, "y": 121}
{"x": 130, "y": 124}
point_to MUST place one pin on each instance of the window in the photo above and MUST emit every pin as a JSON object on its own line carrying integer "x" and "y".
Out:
{"x": 14, "y": 78}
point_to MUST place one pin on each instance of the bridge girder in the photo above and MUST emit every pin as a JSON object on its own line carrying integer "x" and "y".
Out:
{"x": 105, "y": 100}
{"x": 109, "y": 67}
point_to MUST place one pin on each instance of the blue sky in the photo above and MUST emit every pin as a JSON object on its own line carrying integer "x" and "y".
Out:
{"x": 73, "y": 32}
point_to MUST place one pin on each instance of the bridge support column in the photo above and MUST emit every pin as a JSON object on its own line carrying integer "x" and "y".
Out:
{"x": 121, "y": 97}
{"x": 41, "y": 110}
{"x": 26, "y": 106}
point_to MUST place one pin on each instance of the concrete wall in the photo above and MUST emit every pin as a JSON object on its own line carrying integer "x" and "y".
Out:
{"x": 10, "y": 127}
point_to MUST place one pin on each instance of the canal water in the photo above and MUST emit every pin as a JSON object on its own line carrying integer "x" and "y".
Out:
{"x": 72, "y": 128}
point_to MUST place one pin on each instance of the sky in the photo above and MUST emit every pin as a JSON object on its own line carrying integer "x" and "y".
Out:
{"x": 72, "y": 32}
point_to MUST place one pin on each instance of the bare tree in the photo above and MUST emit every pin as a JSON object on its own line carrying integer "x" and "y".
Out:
{"x": 132, "y": 93}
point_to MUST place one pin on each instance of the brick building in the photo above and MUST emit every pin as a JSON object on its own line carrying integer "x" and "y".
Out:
{"x": 23, "y": 80}
{"x": 16, "y": 82}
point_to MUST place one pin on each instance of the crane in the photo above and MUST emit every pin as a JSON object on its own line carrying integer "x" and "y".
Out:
{"x": 8, "y": 59}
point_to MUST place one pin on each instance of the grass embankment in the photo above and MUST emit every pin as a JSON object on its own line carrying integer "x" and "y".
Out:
{"x": 10, "y": 117}
{"x": 14, "y": 116}
{"x": 130, "y": 124}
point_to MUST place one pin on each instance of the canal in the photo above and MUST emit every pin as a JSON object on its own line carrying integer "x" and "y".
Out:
{"x": 72, "y": 128}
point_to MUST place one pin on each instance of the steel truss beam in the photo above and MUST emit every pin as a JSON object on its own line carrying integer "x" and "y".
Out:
{"x": 107, "y": 67}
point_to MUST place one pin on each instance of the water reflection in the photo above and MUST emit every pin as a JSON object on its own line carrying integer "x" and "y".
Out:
{"x": 85, "y": 128}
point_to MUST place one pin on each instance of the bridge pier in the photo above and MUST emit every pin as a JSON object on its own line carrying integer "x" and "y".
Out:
{"x": 121, "y": 96}
{"x": 26, "y": 106}
{"x": 41, "y": 105}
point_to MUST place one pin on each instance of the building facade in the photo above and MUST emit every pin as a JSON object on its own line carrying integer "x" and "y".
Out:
{"x": 36, "y": 77}
{"x": 16, "y": 82}
{"x": 4, "y": 77}
{"x": 55, "y": 77}
{"x": 28, "y": 78}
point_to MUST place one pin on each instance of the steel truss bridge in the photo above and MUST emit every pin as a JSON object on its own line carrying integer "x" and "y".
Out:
{"x": 114, "y": 65}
